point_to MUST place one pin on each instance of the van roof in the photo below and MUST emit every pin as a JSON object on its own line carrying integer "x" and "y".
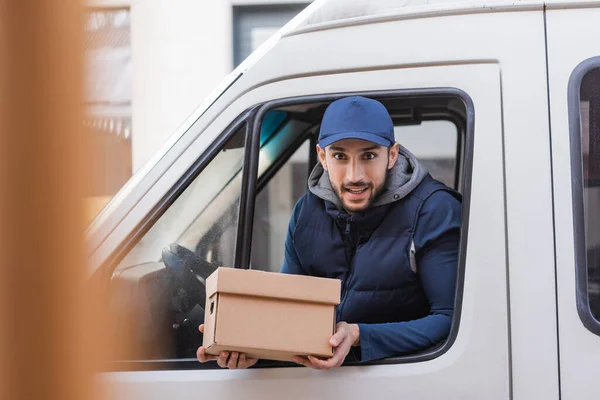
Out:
{"x": 328, "y": 14}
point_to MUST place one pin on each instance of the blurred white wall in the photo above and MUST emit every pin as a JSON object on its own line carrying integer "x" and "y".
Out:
{"x": 180, "y": 51}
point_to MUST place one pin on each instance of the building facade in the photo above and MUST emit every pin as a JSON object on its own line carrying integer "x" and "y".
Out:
{"x": 150, "y": 63}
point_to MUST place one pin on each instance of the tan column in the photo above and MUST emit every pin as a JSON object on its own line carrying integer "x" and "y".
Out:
{"x": 48, "y": 327}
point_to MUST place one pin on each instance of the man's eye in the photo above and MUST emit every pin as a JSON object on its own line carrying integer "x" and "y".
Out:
{"x": 339, "y": 156}
{"x": 369, "y": 156}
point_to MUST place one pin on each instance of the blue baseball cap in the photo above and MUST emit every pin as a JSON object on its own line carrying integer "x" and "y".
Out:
{"x": 356, "y": 117}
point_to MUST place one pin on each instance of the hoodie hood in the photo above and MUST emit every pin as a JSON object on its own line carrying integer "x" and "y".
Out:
{"x": 402, "y": 179}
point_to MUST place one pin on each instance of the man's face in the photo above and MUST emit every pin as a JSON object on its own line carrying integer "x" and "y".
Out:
{"x": 357, "y": 170}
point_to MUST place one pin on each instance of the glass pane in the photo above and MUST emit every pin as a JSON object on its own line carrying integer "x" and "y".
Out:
{"x": 590, "y": 136}
{"x": 160, "y": 302}
{"x": 275, "y": 201}
{"x": 274, "y": 205}
{"x": 205, "y": 216}
{"x": 434, "y": 143}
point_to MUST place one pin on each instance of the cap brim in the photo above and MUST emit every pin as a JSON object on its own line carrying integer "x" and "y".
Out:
{"x": 367, "y": 136}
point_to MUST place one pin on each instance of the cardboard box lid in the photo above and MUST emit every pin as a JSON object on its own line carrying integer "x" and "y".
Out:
{"x": 272, "y": 284}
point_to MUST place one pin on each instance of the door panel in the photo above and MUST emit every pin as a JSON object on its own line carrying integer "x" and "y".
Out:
{"x": 476, "y": 366}
{"x": 573, "y": 38}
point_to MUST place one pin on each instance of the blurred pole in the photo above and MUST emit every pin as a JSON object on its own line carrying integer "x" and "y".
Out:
{"x": 48, "y": 334}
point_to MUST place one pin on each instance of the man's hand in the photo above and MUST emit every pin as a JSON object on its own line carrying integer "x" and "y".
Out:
{"x": 346, "y": 336}
{"x": 233, "y": 360}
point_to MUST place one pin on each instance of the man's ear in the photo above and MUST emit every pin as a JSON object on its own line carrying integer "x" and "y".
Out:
{"x": 321, "y": 154}
{"x": 394, "y": 151}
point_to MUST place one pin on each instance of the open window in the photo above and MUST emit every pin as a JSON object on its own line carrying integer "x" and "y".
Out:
{"x": 233, "y": 208}
{"x": 432, "y": 128}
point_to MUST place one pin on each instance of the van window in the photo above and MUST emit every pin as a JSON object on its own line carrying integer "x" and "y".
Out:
{"x": 433, "y": 129}
{"x": 590, "y": 146}
{"x": 201, "y": 224}
{"x": 204, "y": 217}
{"x": 148, "y": 300}
{"x": 436, "y": 143}
{"x": 274, "y": 205}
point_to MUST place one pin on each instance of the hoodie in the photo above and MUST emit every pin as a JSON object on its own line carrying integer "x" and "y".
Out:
{"x": 402, "y": 179}
{"x": 397, "y": 260}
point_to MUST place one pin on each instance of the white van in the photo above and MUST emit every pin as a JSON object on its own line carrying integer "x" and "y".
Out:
{"x": 499, "y": 99}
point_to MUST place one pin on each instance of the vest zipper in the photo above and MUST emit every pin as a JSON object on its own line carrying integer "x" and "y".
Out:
{"x": 348, "y": 226}
{"x": 351, "y": 270}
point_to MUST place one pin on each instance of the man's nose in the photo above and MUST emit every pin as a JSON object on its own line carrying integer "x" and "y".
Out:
{"x": 354, "y": 173}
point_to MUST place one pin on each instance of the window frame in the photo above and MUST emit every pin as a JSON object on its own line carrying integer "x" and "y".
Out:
{"x": 245, "y": 230}
{"x": 250, "y": 188}
{"x": 577, "y": 191}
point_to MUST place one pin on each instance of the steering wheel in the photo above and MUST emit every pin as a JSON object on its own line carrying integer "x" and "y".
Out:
{"x": 189, "y": 271}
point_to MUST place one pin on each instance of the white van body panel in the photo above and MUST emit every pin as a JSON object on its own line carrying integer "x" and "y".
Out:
{"x": 573, "y": 37}
{"x": 483, "y": 317}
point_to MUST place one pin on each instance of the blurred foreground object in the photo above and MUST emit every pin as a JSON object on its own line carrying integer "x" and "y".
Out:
{"x": 51, "y": 330}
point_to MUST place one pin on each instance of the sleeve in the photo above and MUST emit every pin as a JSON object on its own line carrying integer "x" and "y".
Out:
{"x": 437, "y": 236}
{"x": 291, "y": 261}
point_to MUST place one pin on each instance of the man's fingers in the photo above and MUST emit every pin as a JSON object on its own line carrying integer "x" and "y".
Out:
{"x": 202, "y": 356}
{"x": 201, "y": 328}
{"x": 340, "y": 353}
{"x": 246, "y": 362}
{"x": 315, "y": 363}
{"x": 304, "y": 361}
{"x": 222, "y": 359}
{"x": 233, "y": 360}
{"x": 338, "y": 337}
{"x": 323, "y": 364}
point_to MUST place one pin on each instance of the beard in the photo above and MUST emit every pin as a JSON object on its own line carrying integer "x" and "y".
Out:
{"x": 375, "y": 192}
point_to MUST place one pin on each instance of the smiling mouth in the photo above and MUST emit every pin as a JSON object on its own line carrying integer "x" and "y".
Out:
{"x": 356, "y": 191}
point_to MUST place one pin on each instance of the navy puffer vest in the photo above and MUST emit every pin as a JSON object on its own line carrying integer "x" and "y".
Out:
{"x": 369, "y": 252}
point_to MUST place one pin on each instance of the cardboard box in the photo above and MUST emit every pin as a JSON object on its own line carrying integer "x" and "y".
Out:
{"x": 269, "y": 315}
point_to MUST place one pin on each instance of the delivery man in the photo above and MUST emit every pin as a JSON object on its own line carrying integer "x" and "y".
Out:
{"x": 376, "y": 220}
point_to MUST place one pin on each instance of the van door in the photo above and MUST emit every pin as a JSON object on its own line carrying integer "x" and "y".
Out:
{"x": 574, "y": 87}
{"x": 475, "y": 360}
